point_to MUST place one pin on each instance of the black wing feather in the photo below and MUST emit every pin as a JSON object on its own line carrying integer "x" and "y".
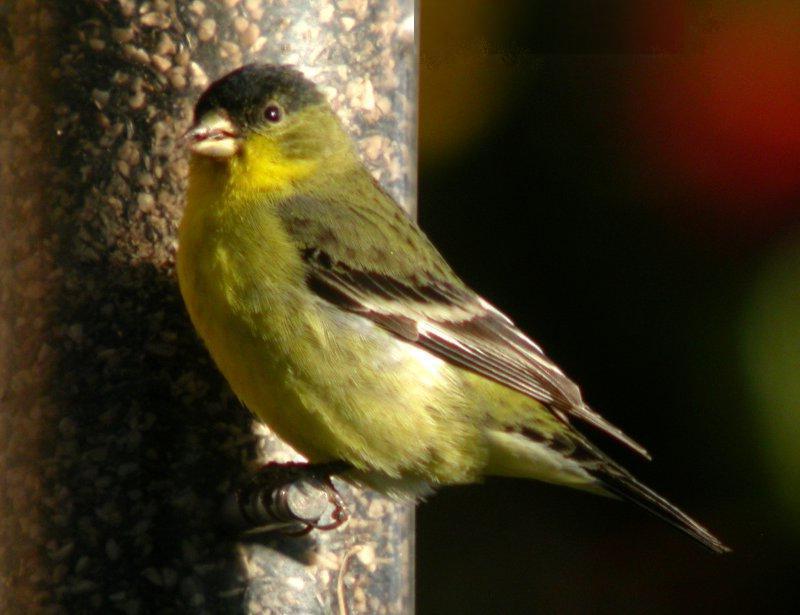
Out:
{"x": 472, "y": 335}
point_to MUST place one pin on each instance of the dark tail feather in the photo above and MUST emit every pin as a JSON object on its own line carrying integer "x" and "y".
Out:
{"x": 620, "y": 483}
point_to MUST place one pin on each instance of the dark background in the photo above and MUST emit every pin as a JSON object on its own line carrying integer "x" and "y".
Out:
{"x": 623, "y": 179}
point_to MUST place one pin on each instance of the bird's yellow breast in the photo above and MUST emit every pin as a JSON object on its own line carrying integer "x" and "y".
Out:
{"x": 236, "y": 269}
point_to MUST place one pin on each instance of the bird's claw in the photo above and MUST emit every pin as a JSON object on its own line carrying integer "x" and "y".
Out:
{"x": 338, "y": 515}
{"x": 284, "y": 495}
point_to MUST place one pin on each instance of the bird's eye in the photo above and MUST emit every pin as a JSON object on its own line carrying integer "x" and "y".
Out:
{"x": 273, "y": 113}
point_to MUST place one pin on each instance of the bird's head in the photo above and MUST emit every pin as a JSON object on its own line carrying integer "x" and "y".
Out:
{"x": 268, "y": 122}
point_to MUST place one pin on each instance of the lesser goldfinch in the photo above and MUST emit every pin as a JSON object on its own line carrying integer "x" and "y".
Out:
{"x": 336, "y": 321}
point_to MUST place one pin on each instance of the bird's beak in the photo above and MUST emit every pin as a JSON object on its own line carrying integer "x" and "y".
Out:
{"x": 214, "y": 135}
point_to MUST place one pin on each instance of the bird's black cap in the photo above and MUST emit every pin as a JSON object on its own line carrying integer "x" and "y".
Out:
{"x": 244, "y": 92}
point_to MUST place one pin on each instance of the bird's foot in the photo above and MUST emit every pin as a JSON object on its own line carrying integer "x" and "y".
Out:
{"x": 294, "y": 498}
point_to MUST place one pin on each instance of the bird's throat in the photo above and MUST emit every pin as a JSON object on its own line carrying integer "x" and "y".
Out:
{"x": 258, "y": 169}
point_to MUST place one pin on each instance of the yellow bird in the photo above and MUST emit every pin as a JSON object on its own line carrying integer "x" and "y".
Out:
{"x": 340, "y": 326}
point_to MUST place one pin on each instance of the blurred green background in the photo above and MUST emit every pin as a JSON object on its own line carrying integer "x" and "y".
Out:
{"x": 623, "y": 178}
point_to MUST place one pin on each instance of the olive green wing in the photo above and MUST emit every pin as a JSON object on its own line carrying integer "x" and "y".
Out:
{"x": 376, "y": 262}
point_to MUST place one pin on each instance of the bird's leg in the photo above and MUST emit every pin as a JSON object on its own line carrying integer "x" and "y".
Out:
{"x": 285, "y": 496}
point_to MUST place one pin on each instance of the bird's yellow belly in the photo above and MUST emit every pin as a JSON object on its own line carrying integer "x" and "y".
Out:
{"x": 259, "y": 372}
{"x": 370, "y": 402}
{"x": 332, "y": 384}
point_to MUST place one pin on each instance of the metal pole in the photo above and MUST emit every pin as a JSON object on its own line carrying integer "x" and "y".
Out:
{"x": 119, "y": 441}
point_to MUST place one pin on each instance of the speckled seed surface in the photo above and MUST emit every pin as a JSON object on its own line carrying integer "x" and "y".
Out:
{"x": 119, "y": 441}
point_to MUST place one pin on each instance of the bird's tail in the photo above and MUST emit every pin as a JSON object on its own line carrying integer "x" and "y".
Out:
{"x": 618, "y": 482}
{"x": 566, "y": 457}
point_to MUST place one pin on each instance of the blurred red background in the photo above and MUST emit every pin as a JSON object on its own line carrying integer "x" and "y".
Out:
{"x": 721, "y": 119}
